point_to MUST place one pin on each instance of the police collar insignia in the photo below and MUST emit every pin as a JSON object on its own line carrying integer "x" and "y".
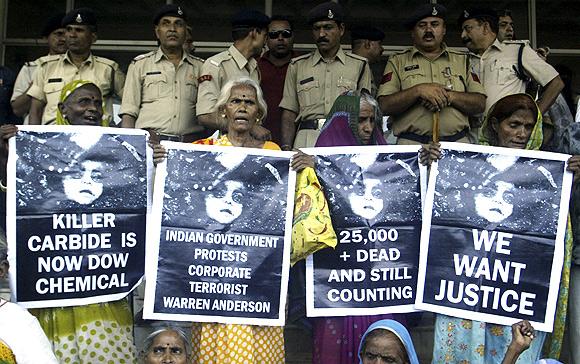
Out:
{"x": 179, "y": 11}
{"x": 434, "y": 12}
{"x": 79, "y": 18}
{"x": 330, "y": 14}
{"x": 465, "y": 14}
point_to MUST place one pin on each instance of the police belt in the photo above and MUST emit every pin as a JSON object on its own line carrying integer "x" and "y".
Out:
{"x": 426, "y": 139}
{"x": 186, "y": 138}
{"x": 311, "y": 124}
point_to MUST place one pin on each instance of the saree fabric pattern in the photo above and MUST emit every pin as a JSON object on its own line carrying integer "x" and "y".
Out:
{"x": 222, "y": 343}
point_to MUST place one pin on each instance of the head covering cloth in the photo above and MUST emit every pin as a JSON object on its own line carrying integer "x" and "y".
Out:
{"x": 553, "y": 343}
{"x": 66, "y": 91}
{"x": 341, "y": 126}
{"x": 537, "y": 136}
{"x": 400, "y": 332}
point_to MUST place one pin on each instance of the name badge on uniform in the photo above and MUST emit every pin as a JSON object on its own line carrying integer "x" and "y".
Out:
{"x": 51, "y": 80}
{"x": 306, "y": 80}
{"x": 153, "y": 73}
{"x": 412, "y": 67}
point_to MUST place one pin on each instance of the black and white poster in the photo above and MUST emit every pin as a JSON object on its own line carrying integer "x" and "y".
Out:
{"x": 493, "y": 234}
{"x": 219, "y": 244}
{"x": 374, "y": 197}
{"x": 76, "y": 214}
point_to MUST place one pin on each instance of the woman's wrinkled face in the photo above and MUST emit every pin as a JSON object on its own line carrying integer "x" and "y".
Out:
{"x": 366, "y": 123}
{"x": 386, "y": 348}
{"x": 84, "y": 106}
{"x": 241, "y": 109}
{"x": 224, "y": 203}
{"x": 515, "y": 130}
{"x": 167, "y": 347}
{"x": 368, "y": 203}
{"x": 495, "y": 202}
{"x": 85, "y": 186}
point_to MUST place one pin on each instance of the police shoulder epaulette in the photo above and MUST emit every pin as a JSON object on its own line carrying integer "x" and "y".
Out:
{"x": 143, "y": 56}
{"x": 219, "y": 58}
{"x": 403, "y": 51}
{"x": 38, "y": 61}
{"x": 46, "y": 59}
{"x": 457, "y": 51}
{"x": 108, "y": 62}
{"x": 400, "y": 53}
{"x": 198, "y": 59}
{"x": 299, "y": 58}
{"x": 34, "y": 63}
{"x": 523, "y": 41}
{"x": 356, "y": 56}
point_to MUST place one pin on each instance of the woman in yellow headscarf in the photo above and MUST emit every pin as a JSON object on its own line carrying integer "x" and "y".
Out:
{"x": 95, "y": 333}
{"x": 513, "y": 122}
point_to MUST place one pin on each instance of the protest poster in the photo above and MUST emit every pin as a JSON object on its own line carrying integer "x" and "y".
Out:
{"x": 492, "y": 242}
{"x": 77, "y": 204}
{"x": 374, "y": 197}
{"x": 219, "y": 242}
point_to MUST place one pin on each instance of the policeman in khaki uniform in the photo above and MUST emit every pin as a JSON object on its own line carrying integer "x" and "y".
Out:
{"x": 161, "y": 87}
{"x": 315, "y": 80}
{"x": 249, "y": 30}
{"x": 56, "y": 41}
{"x": 76, "y": 64}
{"x": 428, "y": 81}
{"x": 496, "y": 63}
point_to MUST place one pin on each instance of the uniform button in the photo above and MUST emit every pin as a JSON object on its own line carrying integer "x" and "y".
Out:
{"x": 176, "y": 97}
{"x": 174, "y": 116}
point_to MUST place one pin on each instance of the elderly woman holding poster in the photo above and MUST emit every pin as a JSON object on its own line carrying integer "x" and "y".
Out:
{"x": 513, "y": 122}
{"x": 100, "y": 332}
{"x": 242, "y": 105}
{"x": 355, "y": 119}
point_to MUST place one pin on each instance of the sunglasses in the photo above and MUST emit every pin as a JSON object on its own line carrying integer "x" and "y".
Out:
{"x": 286, "y": 33}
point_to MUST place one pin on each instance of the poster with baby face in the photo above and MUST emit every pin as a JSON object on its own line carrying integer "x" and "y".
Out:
{"x": 77, "y": 206}
{"x": 219, "y": 245}
{"x": 493, "y": 234}
{"x": 374, "y": 197}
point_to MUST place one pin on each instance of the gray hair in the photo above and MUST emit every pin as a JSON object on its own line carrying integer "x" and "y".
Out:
{"x": 226, "y": 92}
{"x": 366, "y": 98}
{"x": 148, "y": 343}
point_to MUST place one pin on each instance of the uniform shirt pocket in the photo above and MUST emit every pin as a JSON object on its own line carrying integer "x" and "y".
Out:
{"x": 505, "y": 73}
{"x": 155, "y": 87}
{"x": 191, "y": 90}
{"x": 345, "y": 84}
{"x": 308, "y": 93}
{"x": 412, "y": 78}
{"x": 52, "y": 92}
